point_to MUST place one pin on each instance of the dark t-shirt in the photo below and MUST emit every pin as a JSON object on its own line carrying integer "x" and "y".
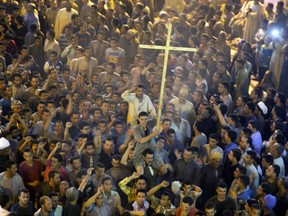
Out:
{"x": 228, "y": 204}
{"x": 23, "y": 211}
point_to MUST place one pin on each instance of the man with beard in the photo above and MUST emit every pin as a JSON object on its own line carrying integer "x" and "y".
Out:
{"x": 17, "y": 87}
{"x": 24, "y": 206}
{"x": 46, "y": 207}
{"x": 63, "y": 18}
{"x": 138, "y": 102}
{"x": 144, "y": 138}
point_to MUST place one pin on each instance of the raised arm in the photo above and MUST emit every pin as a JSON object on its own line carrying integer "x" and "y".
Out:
{"x": 219, "y": 115}
{"x": 98, "y": 142}
{"x": 163, "y": 184}
{"x": 126, "y": 154}
{"x": 123, "y": 184}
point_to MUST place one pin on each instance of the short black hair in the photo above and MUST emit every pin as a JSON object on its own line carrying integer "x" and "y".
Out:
{"x": 252, "y": 154}
{"x": 188, "y": 199}
{"x": 23, "y": 190}
{"x": 141, "y": 191}
{"x": 9, "y": 164}
{"x": 148, "y": 151}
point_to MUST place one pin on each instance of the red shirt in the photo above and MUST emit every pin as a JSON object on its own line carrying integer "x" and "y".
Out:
{"x": 62, "y": 171}
{"x": 30, "y": 173}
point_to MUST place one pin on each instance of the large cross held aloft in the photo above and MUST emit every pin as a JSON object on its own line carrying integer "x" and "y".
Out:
{"x": 167, "y": 48}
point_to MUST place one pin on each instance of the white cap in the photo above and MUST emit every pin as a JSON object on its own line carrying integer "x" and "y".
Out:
{"x": 4, "y": 143}
{"x": 263, "y": 107}
{"x": 161, "y": 13}
{"x": 175, "y": 186}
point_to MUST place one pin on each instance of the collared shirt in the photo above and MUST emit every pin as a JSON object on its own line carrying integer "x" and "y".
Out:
{"x": 95, "y": 210}
{"x": 130, "y": 192}
{"x": 136, "y": 206}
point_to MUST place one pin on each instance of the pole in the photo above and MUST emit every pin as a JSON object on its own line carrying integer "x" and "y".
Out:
{"x": 164, "y": 75}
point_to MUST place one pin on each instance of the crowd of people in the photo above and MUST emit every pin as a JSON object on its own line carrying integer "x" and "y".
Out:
{"x": 79, "y": 101}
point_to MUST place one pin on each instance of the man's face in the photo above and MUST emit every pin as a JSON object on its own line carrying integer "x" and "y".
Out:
{"x": 239, "y": 102}
{"x": 90, "y": 150}
{"x": 187, "y": 156}
{"x": 40, "y": 107}
{"x": 210, "y": 212}
{"x": 107, "y": 185}
{"x": 140, "y": 184}
{"x": 140, "y": 198}
{"x": 75, "y": 118}
{"x": 247, "y": 159}
{"x": 65, "y": 147}
{"x": 221, "y": 89}
{"x": 221, "y": 193}
{"x": 97, "y": 114}
{"x": 143, "y": 120}
{"x": 17, "y": 81}
{"x": 269, "y": 171}
{"x": 8, "y": 92}
{"x": 100, "y": 37}
{"x": 54, "y": 200}
{"x": 216, "y": 162}
{"x": 185, "y": 207}
{"x": 28, "y": 156}
{"x": 160, "y": 143}
{"x": 102, "y": 127}
{"x": 142, "y": 63}
{"x": 259, "y": 192}
{"x": 230, "y": 156}
{"x": 113, "y": 44}
{"x": 212, "y": 142}
{"x": 170, "y": 115}
{"x": 187, "y": 188}
{"x": 86, "y": 129}
{"x": 76, "y": 164}
{"x": 166, "y": 125}
{"x": 47, "y": 206}
{"x": 56, "y": 179}
{"x": 13, "y": 170}
{"x": 182, "y": 97}
{"x": 237, "y": 173}
{"x": 105, "y": 107}
{"x": 53, "y": 74}
{"x": 99, "y": 172}
{"x": 196, "y": 97}
{"x": 2, "y": 84}
{"x": 54, "y": 163}
{"x": 43, "y": 96}
{"x": 149, "y": 159}
{"x": 24, "y": 198}
{"x": 196, "y": 57}
{"x": 119, "y": 128}
{"x": 123, "y": 107}
{"x": 88, "y": 53}
{"x": 115, "y": 163}
{"x": 108, "y": 145}
{"x": 45, "y": 116}
{"x": 66, "y": 75}
{"x": 139, "y": 93}
{"x": 255, "y": 212}
{"x": 34, "y": 82}
{"x": 164, "y": 200}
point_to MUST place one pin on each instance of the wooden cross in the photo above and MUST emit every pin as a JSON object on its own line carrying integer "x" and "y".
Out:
{"x": 166, "y": 48}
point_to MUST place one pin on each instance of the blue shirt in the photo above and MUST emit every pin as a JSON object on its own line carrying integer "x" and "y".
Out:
{"x": 227, "y": 149}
